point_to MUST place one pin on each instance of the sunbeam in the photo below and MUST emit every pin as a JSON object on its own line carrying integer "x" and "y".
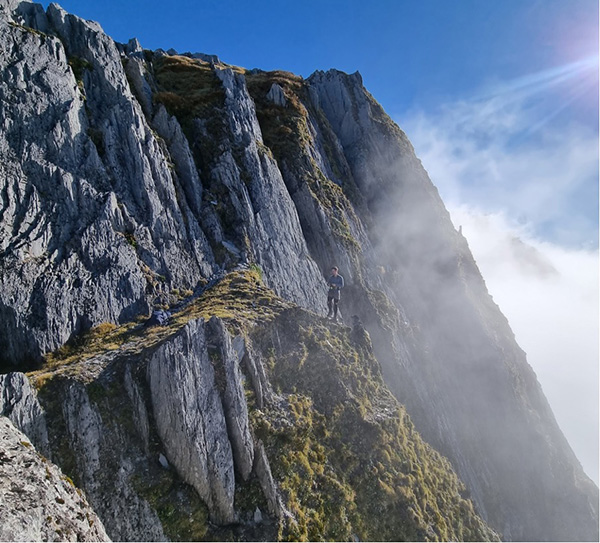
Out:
{"x": 584, "y": 88}
{"x": 540, "y": 81}
{"x": 575, "y": 79}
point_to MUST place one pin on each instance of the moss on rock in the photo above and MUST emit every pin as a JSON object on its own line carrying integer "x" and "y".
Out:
{"x": 347, "y": 457}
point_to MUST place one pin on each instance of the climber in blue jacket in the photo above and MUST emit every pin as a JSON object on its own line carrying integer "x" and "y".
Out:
{"x": 335, "y": 283}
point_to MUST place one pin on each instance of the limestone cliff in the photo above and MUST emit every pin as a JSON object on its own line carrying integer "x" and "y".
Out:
{"x": 132, "y": 180}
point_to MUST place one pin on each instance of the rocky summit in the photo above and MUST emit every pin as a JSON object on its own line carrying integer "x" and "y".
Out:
{"x": 167, "y": 225}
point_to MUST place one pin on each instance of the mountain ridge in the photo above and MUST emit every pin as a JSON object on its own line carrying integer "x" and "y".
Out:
{"x": 132, "y": 178}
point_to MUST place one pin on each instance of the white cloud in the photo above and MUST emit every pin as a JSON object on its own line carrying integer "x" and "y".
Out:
{"x": 472, "y": 156}
{"x": 550, "y": 296}
{"x": 511, "y": 180}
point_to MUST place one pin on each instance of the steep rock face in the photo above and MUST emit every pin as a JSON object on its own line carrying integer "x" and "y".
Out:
{"x": 79, "y": 247}
{"x": 110, "y": 434}
{"x": 234, "y": 401}
{"x": 471, "y": 392}
{"x": 79, "y": 443}
{"x": 129, "y": 178}
{"x": 270, "y": 222}
{"x": 190, "y": 419}
{"x": 247, "y": 212}
{"x": 38, "y": 502}
{"x": 19, "y": 404}
{"x": 108, "y": 216}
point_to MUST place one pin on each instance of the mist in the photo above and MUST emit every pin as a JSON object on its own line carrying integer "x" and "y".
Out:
{"x": 528, "y": 206}
{"x": 550, "y": 296}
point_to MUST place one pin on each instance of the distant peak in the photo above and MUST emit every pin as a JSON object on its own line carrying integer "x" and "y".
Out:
{"x": 335, "y": 74}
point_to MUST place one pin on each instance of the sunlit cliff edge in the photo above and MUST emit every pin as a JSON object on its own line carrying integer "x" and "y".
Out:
{"x": 134, "y": 180}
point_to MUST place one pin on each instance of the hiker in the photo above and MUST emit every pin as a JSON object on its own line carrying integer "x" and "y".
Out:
{"x": 335, "y": 283}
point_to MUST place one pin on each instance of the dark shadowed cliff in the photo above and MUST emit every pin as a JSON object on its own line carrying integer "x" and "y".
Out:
{"x": 132, "y": 180}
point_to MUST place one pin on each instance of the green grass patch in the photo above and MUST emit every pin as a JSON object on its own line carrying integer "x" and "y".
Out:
{"x": 285, "y": 129}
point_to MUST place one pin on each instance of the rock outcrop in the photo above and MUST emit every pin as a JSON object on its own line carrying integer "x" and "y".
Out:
{"x": 39, "y": 503}
{"x": 191, "y": 421}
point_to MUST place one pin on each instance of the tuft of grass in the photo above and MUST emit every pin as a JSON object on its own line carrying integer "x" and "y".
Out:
{"x": 285, "y": 129}
{"x": 257, "y": 270}
{"x": 188, "y": 87}
{"x": 130, "y": 238}
{"x": 79, "y": 66}
{"x": 90, "y": 342}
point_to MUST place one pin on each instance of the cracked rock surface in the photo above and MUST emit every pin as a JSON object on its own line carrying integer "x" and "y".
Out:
{"x": 38, "y": 502}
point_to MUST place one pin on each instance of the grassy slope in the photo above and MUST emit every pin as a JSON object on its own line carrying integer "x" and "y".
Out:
{"x": 343, "y": 450}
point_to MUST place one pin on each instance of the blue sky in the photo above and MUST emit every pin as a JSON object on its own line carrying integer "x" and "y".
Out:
{"x": 500, "y": 100}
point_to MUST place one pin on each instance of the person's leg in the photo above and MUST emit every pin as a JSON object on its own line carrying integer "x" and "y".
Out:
{"x": 330, "y": 307}
{"x": 335, "y": 309}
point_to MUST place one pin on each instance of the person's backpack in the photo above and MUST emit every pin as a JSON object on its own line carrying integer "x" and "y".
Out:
{"x": 159, "y": 318}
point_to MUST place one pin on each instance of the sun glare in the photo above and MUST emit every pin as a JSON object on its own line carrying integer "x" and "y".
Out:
{"x": 584, "y": 70}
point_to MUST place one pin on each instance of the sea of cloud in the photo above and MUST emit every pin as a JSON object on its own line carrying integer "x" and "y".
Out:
{"x": 526, "y": 197}
{"x": 550, "y": 296}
